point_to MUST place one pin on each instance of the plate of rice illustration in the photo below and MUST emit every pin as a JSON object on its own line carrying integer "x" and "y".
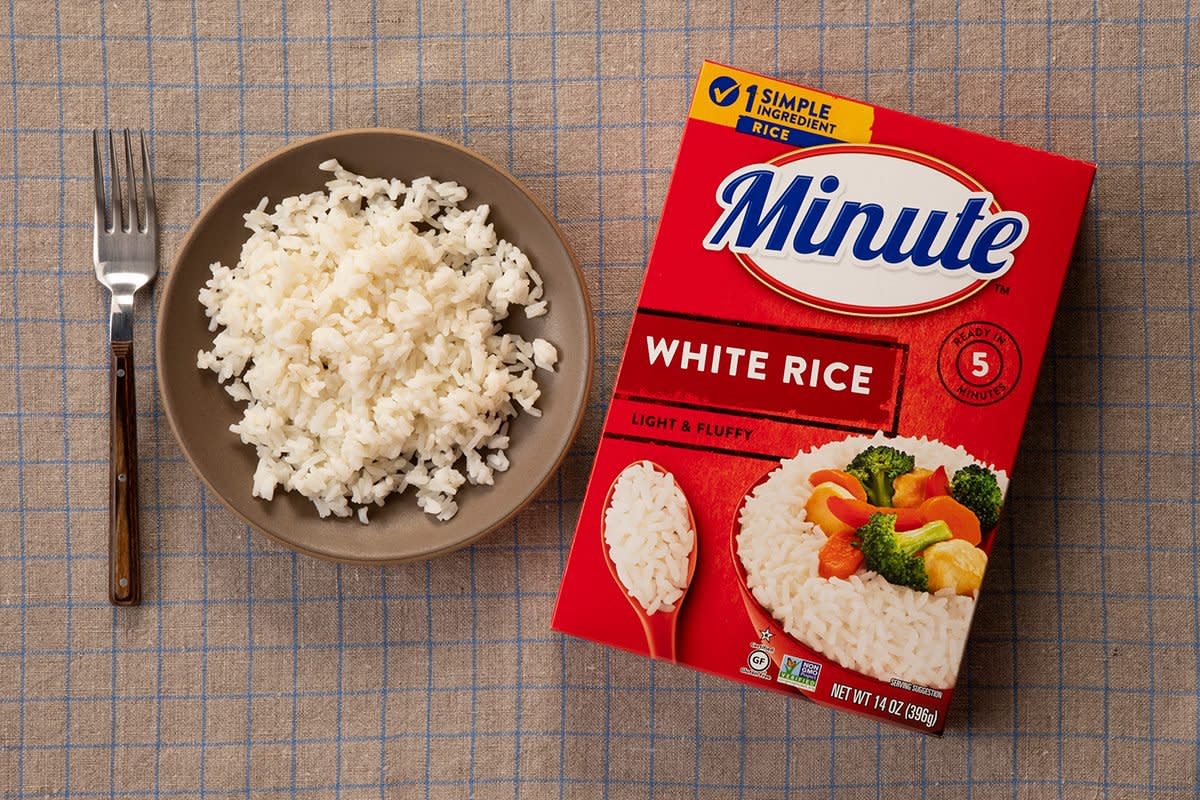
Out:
{"x": 871, "y": 551}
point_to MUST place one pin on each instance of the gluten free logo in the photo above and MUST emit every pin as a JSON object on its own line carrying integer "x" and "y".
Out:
{"x": 758, "y": 661}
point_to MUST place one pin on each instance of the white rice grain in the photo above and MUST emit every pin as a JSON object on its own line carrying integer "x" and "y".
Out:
{"x": 362, "y": 327}
{"x": 649, "y": 536}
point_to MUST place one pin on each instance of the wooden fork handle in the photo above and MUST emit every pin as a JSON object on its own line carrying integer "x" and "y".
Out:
{"x": 124, "y": 553}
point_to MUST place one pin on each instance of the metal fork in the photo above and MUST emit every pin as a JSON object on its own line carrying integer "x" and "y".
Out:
{"x": 125, "y": 251}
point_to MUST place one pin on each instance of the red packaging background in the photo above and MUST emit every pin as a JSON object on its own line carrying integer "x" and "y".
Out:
{"x": 715, "y": 630}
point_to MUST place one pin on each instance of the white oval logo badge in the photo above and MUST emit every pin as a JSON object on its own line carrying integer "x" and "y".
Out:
{"x": 865, "y": 229}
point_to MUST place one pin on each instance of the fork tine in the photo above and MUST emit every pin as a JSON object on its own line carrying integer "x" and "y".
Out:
{"x": 100, "y": 212}
{"x": 151, "y": 219}
{"x": 132, "y": 222}
{"x": 114, "y": 185}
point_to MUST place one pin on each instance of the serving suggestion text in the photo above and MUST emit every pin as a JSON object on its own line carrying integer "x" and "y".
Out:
{"x": 726, "y": 359}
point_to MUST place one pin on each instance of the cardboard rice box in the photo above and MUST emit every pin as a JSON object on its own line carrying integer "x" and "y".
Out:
{"x": 810, "y": 437}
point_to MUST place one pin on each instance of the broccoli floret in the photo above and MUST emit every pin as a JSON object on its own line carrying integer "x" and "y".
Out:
{"x": 876, "y": 468}
{"x": 976, "y": 488}
{"x": 894, "y": 554}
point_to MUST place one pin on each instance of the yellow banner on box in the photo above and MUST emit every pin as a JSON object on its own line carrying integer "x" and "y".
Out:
{"x": 776, "y": 110}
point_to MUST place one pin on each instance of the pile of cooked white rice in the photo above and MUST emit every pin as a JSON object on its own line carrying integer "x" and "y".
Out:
{"x": 361, "y": 325}
{"x": 649, "y": 536}
{"x": 864, "y": 622}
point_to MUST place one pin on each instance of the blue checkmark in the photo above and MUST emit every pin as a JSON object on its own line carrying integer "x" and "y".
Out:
{"x": 723, "y": 90}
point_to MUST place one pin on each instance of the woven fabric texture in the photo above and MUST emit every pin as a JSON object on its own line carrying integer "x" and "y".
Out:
{"x": 250, "y": 671}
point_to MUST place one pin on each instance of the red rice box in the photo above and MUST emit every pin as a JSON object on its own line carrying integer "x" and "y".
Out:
{"x": 827, "y": 374}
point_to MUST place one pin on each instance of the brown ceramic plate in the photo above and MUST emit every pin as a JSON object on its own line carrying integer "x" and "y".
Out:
{"x": 200, "y": 411}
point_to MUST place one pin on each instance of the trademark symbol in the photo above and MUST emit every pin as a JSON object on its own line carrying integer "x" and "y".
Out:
{"x": 1000, "y": 287}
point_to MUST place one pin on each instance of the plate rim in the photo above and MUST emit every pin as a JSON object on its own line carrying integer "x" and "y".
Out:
{"x": 168, "y": 285}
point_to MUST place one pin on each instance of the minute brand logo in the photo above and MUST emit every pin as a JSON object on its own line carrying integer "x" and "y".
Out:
{"x": 845, "y": 227}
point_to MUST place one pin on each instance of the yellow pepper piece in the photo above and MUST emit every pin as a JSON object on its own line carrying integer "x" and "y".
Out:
{"x": 955, "y": 564}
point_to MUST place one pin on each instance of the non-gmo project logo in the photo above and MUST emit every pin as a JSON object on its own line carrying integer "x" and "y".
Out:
{"x": 799, "y": 672}
{"x": 723, "y": 90}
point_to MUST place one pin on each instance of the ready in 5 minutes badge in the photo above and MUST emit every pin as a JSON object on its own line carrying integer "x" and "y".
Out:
{"x": 979, "y": 363}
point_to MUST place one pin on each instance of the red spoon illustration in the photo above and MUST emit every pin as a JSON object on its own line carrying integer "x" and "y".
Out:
{"x": 659, "y": 626}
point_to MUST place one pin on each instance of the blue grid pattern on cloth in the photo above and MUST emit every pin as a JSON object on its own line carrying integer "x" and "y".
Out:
{"x": 251, "y": 671}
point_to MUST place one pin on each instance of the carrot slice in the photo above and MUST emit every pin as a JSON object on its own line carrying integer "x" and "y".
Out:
{"x": 839, "y": 558}
{"x": 961, "y": 520}
{"x": 842, "y": 478}
{"x": 938, "y": 484}
{"x": 857, "y": 513}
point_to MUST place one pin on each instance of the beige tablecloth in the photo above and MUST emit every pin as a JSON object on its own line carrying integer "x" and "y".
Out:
{"x": 251, "y": 671}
